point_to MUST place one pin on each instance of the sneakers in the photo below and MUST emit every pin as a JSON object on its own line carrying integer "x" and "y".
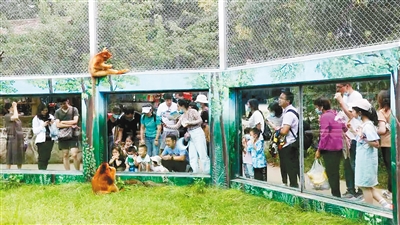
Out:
{"x": 387, "y": 194}
{"x": 348, "y": 195}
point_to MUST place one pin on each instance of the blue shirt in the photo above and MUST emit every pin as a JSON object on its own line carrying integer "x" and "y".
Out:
{"x": 258, "y": 158}
{"x": 175, "y": 151}
{"x": 150, "y": 125}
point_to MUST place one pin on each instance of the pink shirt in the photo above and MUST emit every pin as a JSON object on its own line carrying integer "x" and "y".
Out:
{"x": 331, "y": 132}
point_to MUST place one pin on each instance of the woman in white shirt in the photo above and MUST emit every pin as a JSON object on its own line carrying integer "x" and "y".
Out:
{"x": 256, "y": 118}
{"x": 44, "y": 128}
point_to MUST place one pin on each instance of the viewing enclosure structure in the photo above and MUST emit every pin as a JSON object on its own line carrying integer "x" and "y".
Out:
{"x": 228, "y": 50}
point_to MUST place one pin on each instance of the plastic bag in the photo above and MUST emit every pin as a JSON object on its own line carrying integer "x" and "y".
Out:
{"x": 317, "y": 176}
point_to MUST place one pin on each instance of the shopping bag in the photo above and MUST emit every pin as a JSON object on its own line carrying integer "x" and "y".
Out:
{"x": 317, "y": 176}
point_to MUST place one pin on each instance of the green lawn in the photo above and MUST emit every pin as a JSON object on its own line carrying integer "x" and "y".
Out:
{"x": 76, "y": 204}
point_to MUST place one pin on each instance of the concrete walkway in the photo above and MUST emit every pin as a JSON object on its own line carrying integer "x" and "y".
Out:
{"x": 274, "y": 176}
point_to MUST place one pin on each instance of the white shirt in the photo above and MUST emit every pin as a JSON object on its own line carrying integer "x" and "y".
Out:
{"x": 354, "y": 97}
{"x": 289, "y": 118}
{"x": 257, "y": 118}
{"x": 163, "y": 111}
{"x": 40, "y": 131}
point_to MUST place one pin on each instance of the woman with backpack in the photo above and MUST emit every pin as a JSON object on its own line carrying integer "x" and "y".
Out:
{"x": 330, "y": 143}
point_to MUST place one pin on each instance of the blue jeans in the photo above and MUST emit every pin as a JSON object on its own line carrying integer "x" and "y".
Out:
{"x": 349, "y": 168}
{"x": 152, "y": 149}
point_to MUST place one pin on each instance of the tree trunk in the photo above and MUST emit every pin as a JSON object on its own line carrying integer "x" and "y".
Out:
{"x": 225, "y": 154}
{"x": 89, "y": 113}
{"x": 224, "y": 150}
{"x": 111, "y": 83}
{"x": 50, "y": 83}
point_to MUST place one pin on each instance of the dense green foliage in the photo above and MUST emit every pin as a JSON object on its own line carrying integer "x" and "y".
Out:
{"x": 263, "y": 30}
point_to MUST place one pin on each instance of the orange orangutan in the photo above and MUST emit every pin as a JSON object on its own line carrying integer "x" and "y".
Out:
{"x": 98, "y": 66}
{"x": 103, "y": 181}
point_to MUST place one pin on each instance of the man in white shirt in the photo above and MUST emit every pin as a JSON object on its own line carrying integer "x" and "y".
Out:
{"x": 350, "y": 96}
{"x": 289, "y": 154}
{"x": 164, "y": 111}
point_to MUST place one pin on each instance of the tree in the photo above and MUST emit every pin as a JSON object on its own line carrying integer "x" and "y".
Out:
{"x": 265, "y": 30}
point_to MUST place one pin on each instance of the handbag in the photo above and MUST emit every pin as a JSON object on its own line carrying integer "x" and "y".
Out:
{"x": 65, "y": 133}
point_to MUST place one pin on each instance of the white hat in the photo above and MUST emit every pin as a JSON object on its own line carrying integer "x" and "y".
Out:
{"x": 156, "y": 159}
{"x": 362, "y": 104}
{"x": 146, "y": 109}
{"x": 201, "y": 98}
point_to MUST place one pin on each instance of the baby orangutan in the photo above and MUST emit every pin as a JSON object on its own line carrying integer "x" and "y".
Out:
{"x": 98, "y": 66}
{"x": 103, "y": 181}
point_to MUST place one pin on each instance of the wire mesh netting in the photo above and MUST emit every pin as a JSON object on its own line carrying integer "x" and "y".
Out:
{"x": 40, "y": 37}
{"x": 260, "y": 31}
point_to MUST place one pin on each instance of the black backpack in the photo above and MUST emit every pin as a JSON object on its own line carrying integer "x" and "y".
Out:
{"x": 308, "y": 136}
{"x": 267, "y": 134}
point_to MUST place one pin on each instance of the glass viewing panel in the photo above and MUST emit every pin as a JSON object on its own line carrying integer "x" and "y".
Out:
{"x": 260, "y": 159}
{"x": 29, "y": 134}
{"x": 158, "y": 132}
{"x": 345, "y": 142}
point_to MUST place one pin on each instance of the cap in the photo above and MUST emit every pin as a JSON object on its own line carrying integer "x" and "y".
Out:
{"x": 156, "y": 159}
{"x": 362, "y": 104}
{"x": 146, "y": 109}
{"x": 201, "y": 98}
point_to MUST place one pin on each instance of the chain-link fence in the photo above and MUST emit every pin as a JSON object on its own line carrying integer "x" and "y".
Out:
{"x": 260, "y": 31}
{"x": 51, "y": 37}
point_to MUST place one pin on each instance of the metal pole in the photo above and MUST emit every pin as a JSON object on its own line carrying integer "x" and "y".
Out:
{"x": 93, "y": 27}
{"x": 301, "y": 139}
{"x": 396, "y": 160}
{"x": 222, "y": 21}
{"x": 93, "y": 50}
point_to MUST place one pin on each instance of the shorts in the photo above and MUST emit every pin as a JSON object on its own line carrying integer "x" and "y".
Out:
{"x": 72, "y": 143}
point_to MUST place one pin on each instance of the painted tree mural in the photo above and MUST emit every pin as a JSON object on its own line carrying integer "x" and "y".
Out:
{"x": 287, "y": 72}
{"x": 219, "y": 84}
{"x": 119, "y": 82}
{"x": 6, "y": 86}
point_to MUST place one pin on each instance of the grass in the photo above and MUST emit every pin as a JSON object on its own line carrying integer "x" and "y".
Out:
{"x": 76, "y": 204}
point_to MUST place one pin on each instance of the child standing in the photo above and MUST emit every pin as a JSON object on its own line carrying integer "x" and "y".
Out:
{"x": 247, "y": 166}
{"x": 256, "y": 148}
{"x": 142, "y": 161}
{"x": 366, "y": 170}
